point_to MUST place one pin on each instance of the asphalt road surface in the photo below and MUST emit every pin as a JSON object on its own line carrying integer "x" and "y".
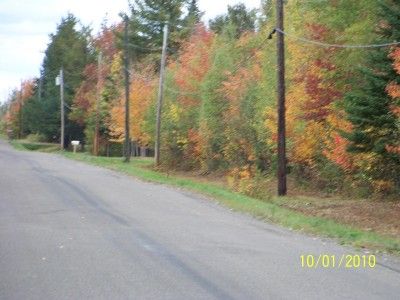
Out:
{"x": 74, "y": 231}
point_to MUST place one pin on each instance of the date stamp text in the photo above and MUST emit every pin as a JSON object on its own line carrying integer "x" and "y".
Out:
{"x": 346, "y": 261}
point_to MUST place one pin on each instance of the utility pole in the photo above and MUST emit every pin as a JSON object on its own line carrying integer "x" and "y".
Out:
{"x": 20, "y": 112}
{"x": 126, "y": 64}
{"x": 282, "y": 184}
{"x": 96, "y": 143}
{"x": 161, "y": 96}
{"x": 62, "y": 109}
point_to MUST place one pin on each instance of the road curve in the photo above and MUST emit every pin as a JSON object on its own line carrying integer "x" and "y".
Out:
{"x": 73, "y": 231}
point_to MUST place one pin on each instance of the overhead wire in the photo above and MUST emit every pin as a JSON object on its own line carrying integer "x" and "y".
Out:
{"x": 328, "y": 45}
{"x": 289, "y": 35}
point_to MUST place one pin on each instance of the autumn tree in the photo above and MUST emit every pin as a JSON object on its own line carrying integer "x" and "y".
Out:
{"x": 16, "y": 115}
{"x": 142, "y": 96}
{"x": 99, "y": 89}
{"x": 181, "y": 136}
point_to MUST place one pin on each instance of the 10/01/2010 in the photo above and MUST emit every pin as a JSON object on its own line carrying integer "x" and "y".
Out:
{"x": 349, "y": 261}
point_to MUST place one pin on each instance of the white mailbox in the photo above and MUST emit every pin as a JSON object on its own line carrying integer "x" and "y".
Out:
{"x": 75, "y": 145}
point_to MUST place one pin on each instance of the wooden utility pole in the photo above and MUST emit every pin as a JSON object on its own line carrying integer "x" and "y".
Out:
{"x": 282, "y": 184}
{"x": 96, "y": 143}
{"x": 20, "y": 118}
{"x": 161, "y": 96}
{"x": 62, "y": 109}
{"x": 127, "y": 147}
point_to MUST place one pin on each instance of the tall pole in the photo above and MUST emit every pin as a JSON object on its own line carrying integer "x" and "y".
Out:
{"x": 126, "y": 63}
{"x": 282, "y": 185}
{"x": 96, "y": 143}
{"x": 62, "y": 109}
{"x": 161, "y": 96}
{"x": 20, "y": 113}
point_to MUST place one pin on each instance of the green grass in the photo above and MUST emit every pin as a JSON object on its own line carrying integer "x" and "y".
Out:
{"x": 266, "y": 211}
{"x": 33, "y": 146}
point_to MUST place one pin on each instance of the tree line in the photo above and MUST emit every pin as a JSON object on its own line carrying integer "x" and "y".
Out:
{"x": 343, "y": 106}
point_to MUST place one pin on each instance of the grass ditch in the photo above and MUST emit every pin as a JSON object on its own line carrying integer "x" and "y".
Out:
{"x": 34, "y": 146}
{"x": 270, "y": 211}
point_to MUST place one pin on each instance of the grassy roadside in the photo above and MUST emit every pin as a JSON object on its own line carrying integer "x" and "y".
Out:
{"x": 267, "y": 211}
{"x": 34, "y": 146}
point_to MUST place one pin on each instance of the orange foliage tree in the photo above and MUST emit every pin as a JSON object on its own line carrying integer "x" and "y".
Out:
{"x": 14, "y": 118}
{"x": 96, "y": 92}
{"x": 142, "y": 96}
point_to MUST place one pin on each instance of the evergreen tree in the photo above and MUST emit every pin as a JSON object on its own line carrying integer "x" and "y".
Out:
{"x": 238, "y": 16}
{"x": 192, "y": 18}
{"x": 194, "y": 14}
{"x": 368, "y": 105}
{"x": 147, "y": 21}
{"x": 68, "y": 49}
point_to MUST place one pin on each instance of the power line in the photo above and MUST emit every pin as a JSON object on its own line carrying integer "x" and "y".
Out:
{"x": 327, "y": 45}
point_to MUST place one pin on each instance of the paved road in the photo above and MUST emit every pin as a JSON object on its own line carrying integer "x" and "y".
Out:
{"x": 73, "y": 231}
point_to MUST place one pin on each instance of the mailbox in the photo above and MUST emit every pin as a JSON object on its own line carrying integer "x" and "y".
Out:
{"x": 75, "y": 145}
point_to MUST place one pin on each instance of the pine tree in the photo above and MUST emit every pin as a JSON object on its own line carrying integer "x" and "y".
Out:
{"x": 192, "y": 18}
{"x": 238, "y": 16}
{"x": 369, "y": 106}
{"x": 147, "y": 21}
{"x": 194, "y": 14}
{"x": 68, "y": 49}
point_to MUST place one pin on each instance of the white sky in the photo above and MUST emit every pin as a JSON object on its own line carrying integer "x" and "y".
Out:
{"x": 26, "y": 24}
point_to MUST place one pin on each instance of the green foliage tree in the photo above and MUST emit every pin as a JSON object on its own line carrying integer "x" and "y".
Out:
{"x": 194, "y": 14}
{"x": 238, "y": 16}
{"x": 147, "y": 20}
{"x": 68, "y": 49}
{"x": 214, "y": 104}
{"x": 192, "y": 18}
{"x": 368, "y": 105}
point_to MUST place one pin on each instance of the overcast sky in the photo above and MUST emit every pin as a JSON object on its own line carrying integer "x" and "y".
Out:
{"x": 25, "y": 26}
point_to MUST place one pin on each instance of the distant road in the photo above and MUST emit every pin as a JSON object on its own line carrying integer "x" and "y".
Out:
{"x": 74, "y": 231}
